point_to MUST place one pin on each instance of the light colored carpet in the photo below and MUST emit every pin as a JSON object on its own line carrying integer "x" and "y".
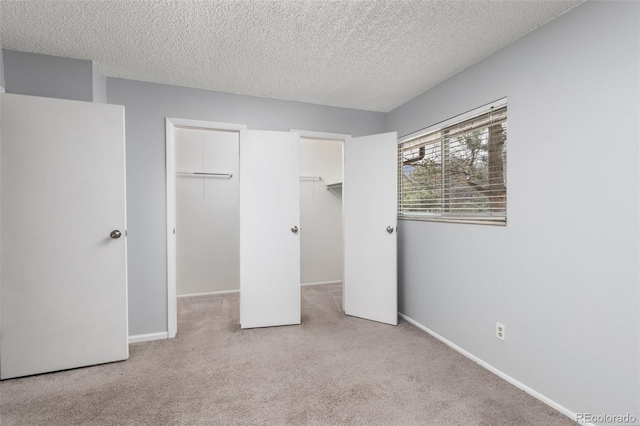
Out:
{"x": 330, "y": 370}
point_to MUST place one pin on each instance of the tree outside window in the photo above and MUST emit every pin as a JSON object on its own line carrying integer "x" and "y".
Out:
{"x": 457, "y": 172}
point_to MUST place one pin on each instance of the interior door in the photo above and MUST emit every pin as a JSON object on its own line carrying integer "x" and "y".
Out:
{"x": 63, "y": 227}
{"x": 269, "y": 228}
{"x": 369, "y": 213}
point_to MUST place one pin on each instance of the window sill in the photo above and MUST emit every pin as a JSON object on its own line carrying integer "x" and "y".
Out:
{"x": 474, "y": 221}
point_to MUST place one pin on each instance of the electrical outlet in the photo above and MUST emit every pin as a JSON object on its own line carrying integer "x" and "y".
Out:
{"x": 500, "y": 332}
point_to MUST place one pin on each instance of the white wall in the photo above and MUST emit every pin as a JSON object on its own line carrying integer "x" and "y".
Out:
{"x": 321, "y": 247}
{"x": 207, "y": 212}
{"x": 563, "y": 274}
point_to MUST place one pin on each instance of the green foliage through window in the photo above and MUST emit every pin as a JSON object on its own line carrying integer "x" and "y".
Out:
{"x": 457, "y": 172}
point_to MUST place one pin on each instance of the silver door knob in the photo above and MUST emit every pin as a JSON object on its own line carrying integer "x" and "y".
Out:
{"x": 294, "y": 229}
{"x": 390, "y": 229}
{"x": 115, "y": 234}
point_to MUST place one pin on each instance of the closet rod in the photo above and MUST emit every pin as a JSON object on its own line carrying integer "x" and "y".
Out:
{"x": 311, "y": 177}
{"x": 204, "y": 174}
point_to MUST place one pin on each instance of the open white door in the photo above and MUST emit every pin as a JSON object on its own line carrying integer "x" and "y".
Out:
{"x": 369, "y": 207}
{"x": 63, "y": 227}
{"x": 269, "y": 228}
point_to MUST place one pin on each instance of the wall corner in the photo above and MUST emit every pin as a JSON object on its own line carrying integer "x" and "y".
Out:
{"x": 1, "y": 70}
{"x": 99, "y": 84}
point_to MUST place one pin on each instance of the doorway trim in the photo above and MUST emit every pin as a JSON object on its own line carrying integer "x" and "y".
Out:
{"x": 310, "y": 134}
{"x": 170, "y": 137}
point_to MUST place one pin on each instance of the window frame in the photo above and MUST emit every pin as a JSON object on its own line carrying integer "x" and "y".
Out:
{"x": 483, "y": 218}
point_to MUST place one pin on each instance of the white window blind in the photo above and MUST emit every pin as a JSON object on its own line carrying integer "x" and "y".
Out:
{"x": 456, "y": 173}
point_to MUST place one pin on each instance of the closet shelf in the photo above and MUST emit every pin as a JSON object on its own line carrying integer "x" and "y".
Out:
{"x": 227, "y": 175}
{"x": 334, "y": 186}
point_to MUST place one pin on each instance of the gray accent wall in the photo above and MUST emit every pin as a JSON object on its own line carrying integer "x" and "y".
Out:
{"x": 48, "y": 76}
{"x": 52, "y": 77}
{"x": 146, "y": 107}
{"x": 563, "y": 275}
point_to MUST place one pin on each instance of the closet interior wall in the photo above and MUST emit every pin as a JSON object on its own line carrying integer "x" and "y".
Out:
{"x": 207, "y": 211}
{"x": 321, "y": 244}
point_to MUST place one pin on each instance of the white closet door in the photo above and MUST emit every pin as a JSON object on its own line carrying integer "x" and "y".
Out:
{"x": 64, "y": 278}
{"x": 269, "y": 228}
{"x": 369, "y": 205}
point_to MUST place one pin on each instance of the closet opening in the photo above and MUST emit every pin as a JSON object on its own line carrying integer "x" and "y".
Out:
{"x": 207, "y": 209}
{"x": 202, "y": 210}
{"x": 321, "y": 236}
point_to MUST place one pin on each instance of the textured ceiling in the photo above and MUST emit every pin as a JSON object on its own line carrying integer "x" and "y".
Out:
{"x": 372, "y": 55}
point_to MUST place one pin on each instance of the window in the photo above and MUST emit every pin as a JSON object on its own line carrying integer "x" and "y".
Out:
{"x": 457, "y": 172}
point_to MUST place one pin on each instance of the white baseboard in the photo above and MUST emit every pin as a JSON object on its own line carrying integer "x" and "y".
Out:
{"x": 148, "y": 337}
{"x": 504, "y": 376}
{"x": 321, "y": 283}
{"x": 213, "y": 293}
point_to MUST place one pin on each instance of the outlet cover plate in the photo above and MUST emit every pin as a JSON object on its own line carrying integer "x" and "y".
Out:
{"x": 500, "y": 331}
